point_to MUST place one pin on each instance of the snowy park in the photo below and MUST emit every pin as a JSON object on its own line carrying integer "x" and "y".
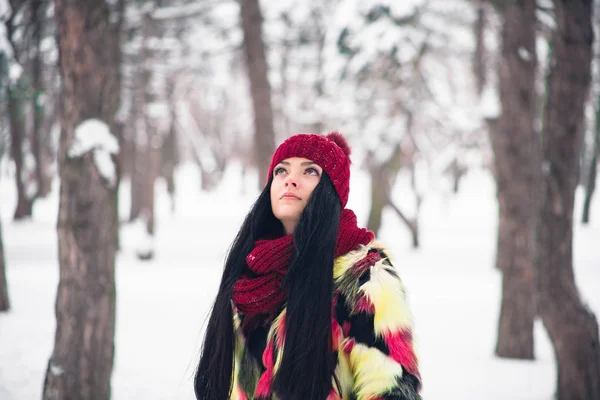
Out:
{"x": 137, "y": 135}
{"x": 453, "y": 286}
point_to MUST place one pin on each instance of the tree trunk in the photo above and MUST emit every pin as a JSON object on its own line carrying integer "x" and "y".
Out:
{"x": 382, "y": 177}
{"x": 38, "y": 136}
{"x": 516, "y": 155}
{"x": 149, "y": 140}
{"x": 82, "y": 359}
{"x": 260, "y": 87}
{"x": 138, "y": 172}
{"x": 479, "y": 65}
{"x": 4, "y": 302}
{"x": 378, "y": 198}
{"x": 571, "y": 325}
{"x": 170, "y": 149}
{"x": 139, "y": 138}
{"x": 590, "y": 186}
{"x": 153, "y": 157}
{"x": 16, "y": 115}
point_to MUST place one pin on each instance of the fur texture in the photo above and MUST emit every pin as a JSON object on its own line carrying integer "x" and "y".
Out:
{"x": 371, "y": 336}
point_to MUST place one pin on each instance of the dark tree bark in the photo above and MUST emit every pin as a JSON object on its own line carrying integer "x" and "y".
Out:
{"x": 149, "y": 138}
{"x": 21, "y": 21}
{"x": 571, "y": 325}
{"x": 4, "y": 300}
{"x": 82, "y": 359}
{"x": 590, "y": 186}
{"x": 516, "y": 155}
{"x": 479, "y": 65}
{"x": 379, "y": 185}
{"x": 260, "y": 87}
{"x": 139, "y": 138}
{"x": 170, "y": 149}
{"x": 38, "y": 136}
{"x": 16, "y": 115}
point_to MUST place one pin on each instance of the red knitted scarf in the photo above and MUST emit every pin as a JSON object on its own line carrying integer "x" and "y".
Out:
{"x": 260, "y": 291}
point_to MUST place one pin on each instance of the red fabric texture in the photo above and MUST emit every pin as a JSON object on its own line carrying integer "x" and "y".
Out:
{"x": 401, "y": 350}
{"x": 260, "y": 289}
{"x": 330, "y": 152}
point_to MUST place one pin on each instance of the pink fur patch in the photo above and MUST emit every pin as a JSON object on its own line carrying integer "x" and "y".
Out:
{"x": 336, "y": 334}
{"x": 333, "y": 395}
{"x": 363, "y": 304}
{"x": 364, "y": 264}
{"x": 346, "y": 328}
{"x": 263, "y": 387}
{"x": 280, "y": 333}
{"x": 348, "y": 346}
{"x": 242, "y": 395}
{"x": 401, "y": 350}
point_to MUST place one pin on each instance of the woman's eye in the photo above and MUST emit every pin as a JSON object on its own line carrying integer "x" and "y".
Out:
{"x": 312, "y": 171}
{"x": 279, "y": 171}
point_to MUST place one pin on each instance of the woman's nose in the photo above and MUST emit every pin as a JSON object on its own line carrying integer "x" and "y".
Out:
{"x": 291, "y": 181}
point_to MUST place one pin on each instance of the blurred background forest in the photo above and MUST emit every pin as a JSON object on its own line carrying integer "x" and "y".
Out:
{"x": 426, "y": 91}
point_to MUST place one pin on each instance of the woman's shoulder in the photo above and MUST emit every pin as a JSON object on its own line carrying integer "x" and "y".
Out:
{"x": 361, "y": 259}
{"x": 366, "y": 282}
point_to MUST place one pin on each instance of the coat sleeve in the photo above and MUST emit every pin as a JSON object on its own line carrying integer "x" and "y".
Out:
{"x": 372, "y": 309}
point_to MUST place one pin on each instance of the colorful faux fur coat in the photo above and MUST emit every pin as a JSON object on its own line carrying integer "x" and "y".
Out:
{"x": 372, "y": 333}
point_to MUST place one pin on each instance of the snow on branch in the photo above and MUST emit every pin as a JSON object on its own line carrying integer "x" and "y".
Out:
{"x": 94, "y": 135}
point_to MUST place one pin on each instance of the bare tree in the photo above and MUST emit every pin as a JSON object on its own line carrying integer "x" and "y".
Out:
{"x": 479, "y": 58}
{"x": 260, "y": 87}
{"x": 29, "y": 117}
{"x": 39, "y": 134}
{"x": 18, "y": 137}
{"x": 4, "y": 301}
{"x": 17, "y": 97}
{"x": 571, "y": 325}
{"x": 516, "y": 158}
{"x": 82, "y": 359}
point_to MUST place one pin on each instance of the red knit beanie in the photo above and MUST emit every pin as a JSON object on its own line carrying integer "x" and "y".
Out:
{"x": 330, "y": 152}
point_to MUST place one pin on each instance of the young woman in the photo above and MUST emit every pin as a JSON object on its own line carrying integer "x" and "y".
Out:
{"x": 309, "y": 306}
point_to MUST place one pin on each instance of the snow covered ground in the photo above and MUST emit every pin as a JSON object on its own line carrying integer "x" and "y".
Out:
{"x": 162, "y": 305}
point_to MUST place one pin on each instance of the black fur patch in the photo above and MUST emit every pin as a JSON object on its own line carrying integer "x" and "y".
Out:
{"x": 363, "y": 331}
{"x": 256, "y": 343}
{"x": 406, "y": 388}
{"x": 364, "y": 278}
{"x": 341, "y": 310}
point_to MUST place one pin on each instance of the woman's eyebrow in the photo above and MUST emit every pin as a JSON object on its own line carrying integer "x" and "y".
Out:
{"x": 304, "y": 163}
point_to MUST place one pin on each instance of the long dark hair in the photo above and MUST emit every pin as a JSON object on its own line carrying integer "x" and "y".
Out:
{"x": 307, "y": 365}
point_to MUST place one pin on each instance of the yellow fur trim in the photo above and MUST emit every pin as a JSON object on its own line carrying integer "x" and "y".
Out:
{"x": 388, "y": 296}
{"x": 345, "y": 262}
{"x": 235, "y": 392}
{"x": 374, "y": 372}
{"x": 273, "y": 336}
{"x": 343, "y": 372}
{"x": 238, "y": 350}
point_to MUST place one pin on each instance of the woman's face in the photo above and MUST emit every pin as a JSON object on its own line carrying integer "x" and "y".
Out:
{"x": 294, "y": 180}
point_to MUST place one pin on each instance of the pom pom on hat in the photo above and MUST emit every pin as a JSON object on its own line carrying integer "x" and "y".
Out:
{"x": 331, "y": 152}
{"x": 340, "y": 140}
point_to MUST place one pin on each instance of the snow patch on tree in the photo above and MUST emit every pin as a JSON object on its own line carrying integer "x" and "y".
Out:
{"x": 14, "y": 73}
{"x": 143, "y": 241}
{"x": 94, "y": 135}
{"x": 490, "y": 102}
{"x": 56, "y": 370}
{"x": 524, "y": 54}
